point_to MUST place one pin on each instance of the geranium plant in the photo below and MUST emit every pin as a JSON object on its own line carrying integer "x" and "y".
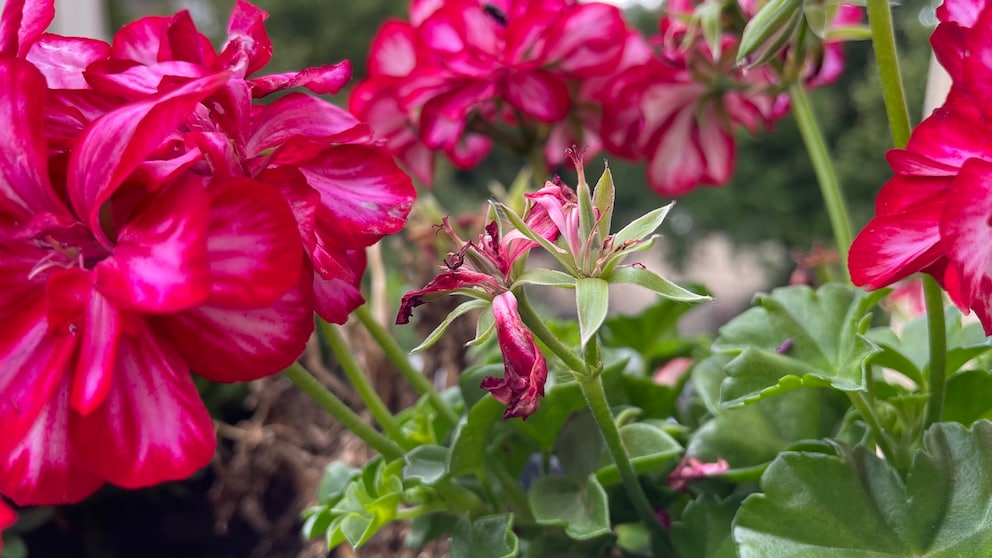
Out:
{"x": 158, "y": 220}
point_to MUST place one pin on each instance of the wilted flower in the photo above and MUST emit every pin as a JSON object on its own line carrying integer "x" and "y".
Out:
{"x": 933, "y": 215}
{"x": 525, "y": 370}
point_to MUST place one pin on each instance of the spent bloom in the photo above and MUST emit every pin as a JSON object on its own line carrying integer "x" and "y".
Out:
{"x": 690, "y": 469}
{"x": 933, "y": 215}
{"x": 143, "y": 238}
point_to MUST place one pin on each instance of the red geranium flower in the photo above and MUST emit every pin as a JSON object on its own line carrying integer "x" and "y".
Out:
{"x": 933, "y": 215}
{"x": 460, "y": 73}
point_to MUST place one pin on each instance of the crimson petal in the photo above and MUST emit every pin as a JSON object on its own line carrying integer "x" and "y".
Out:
{"x": 45, "y": 469}
{"x": 152, "y": 427}
{"x": 161, "y": 263}
{"x": 230, "y": 345}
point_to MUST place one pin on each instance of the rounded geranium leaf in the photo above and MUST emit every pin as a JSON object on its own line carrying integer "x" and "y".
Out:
{"x": 232, "y": 345}
{"x": 44, "y": 468}
{"x": 152, "y": 427}
{"x": 364, "y": 192}
{"x": 161, "y": 263}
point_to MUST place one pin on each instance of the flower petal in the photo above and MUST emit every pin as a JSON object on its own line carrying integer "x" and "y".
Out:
{"x": 117, "y": 143}
{"x": 44, "y": 468}
{"x": 336, "y": 297}
{"x": 364, "y": 194}
{"x": 892, "y": 247}
{"x": 253, "y": 245}
{"x": 24, "y": 187}
{"x": 525, "y": 370}
{"x": 63, "y": 59}
{"x": 230, "y": 345}
{"x": 966, "y": 236}
{"x": 161, "y": 263}
{"x": 101, "y": 333}
{"x": 22, "y": 22}
{"x": 298, "y": 116}
{"x": 152, "y": 427}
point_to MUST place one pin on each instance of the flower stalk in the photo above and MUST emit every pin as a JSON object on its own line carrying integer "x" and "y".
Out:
{"x": 398, "y": 357}
{"x": 936, "y": 329}
{"x": 823, "y": 166}
{"x": 316, "y": 391}
{"x": 356, "y": 376}
{"x": 883, "y": 42}
{"x": 586, "y": 373}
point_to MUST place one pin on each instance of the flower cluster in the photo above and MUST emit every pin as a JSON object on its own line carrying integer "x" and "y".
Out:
{"x": 458, "y": 70}
{"x": 155, "y": 221}
{"x": 934, "y": 214}
{"x": 545, "y": 75}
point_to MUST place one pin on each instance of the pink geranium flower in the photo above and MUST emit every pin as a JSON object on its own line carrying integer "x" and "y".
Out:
{"x": 463, "y": 74}
{"x": 345, "y": 190}
{"x": 933, "y": 215}
{"x": 151, "y": 226}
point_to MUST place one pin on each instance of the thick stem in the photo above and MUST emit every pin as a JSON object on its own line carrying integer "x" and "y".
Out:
{"x": 398, "y": 357}
{"x": 356, "y": 376}
{"x": 937, "y": 333}
{"x": 591, "y": 383}
{"x": 592, "y": 389}
{"x": 883, "y": 42}
{"x": 341, "y": 412}
{"x": 824, "y": 169}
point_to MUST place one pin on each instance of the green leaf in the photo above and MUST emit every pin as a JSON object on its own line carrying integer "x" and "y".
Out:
{"x": 648, "y": 279}
{"x": 468, "y": 450}
{"x": 545, "y": 277}
{"x": 428, "y": 527}
{"x": 427, "y": 464}
{"x": 755, "y": 434}
{"x": 909, "y": 352}
{"x": 794, "y": 337}
{"x": 704, "y": 530}
{"x": 336, "y": 477}
{"x": 14, "y": 547}
{"x": 642, "y": 227}
{"x": 592, "y": 299}
{"x": 489, "y": 536}
{"x": 438, "y": 332}
{"x": 580, "y": 448}
{"x": 819, "y": 505}
{"x": 603, "y": 199}
{"x": 484, "y": 328}
{"x": 967, "y": 398}
{"x": 580, "y": 507}
{"x": 561, "y": 401}
{"x": 650, "y": 450}
{"x": 653, "y": 399}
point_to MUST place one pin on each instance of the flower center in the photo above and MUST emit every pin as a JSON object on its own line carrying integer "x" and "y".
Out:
{"x": 67, "y": 247}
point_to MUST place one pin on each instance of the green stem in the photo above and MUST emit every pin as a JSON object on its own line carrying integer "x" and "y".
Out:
{"x": 360, "y": 381}
{"x": 586, "y": 372}
{"x": 824, "y": 169}
{"x": 883, "y": 42}
{"x": 536, "y": 325}
{"x": 937, "y": 333}
{"x": 341, "y": 412}
{"x": 592, "y": 389}
{"x": 399, "y": 358}
{"x": 867, "y": 412}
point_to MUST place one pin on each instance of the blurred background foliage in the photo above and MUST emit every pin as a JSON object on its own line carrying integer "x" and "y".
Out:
{"x": 773, "y": 196}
